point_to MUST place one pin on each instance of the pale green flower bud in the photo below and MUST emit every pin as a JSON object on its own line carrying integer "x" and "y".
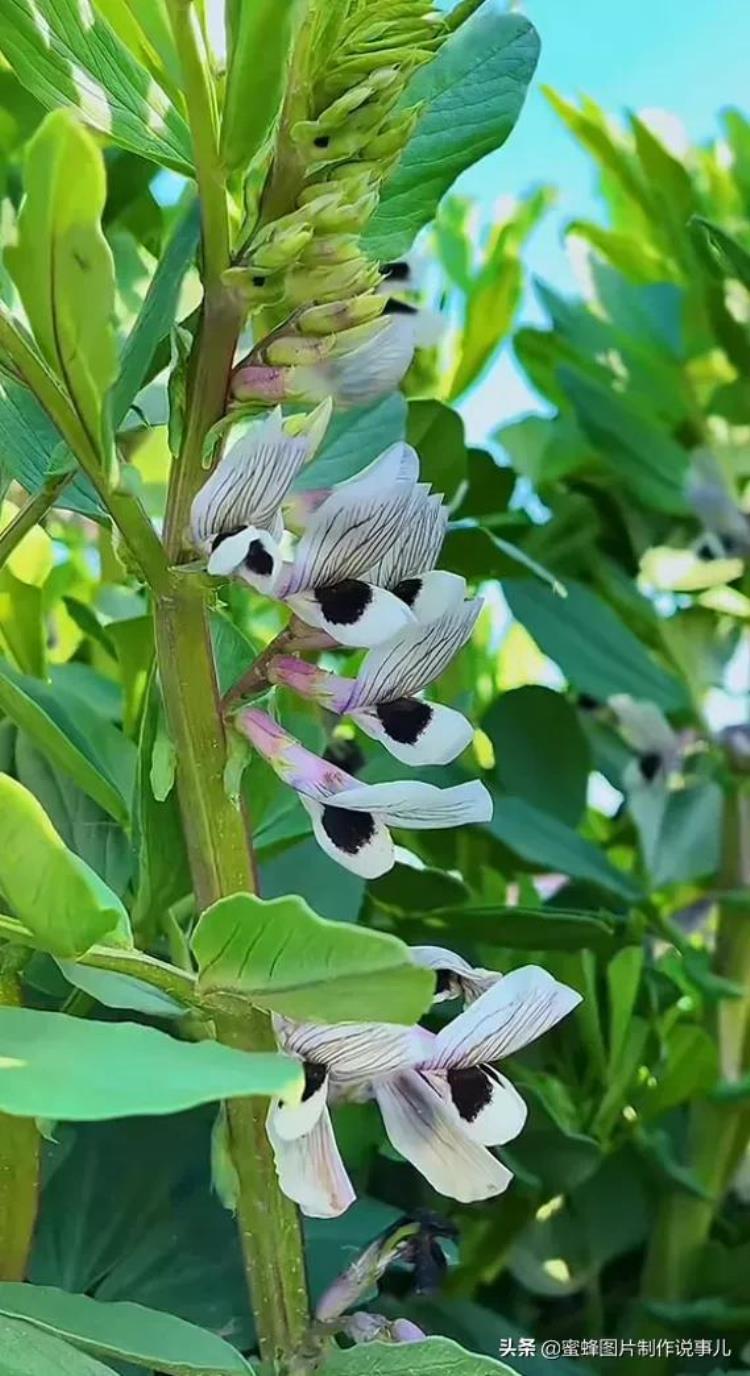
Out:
{"x": 282, "y": 250}
{"x": 394, "y": 135}
{"x": 334, "y": 212}
{"x": 291, "y": 350}
{"x": 255, "y": 287}
{"x": 340, "y": 315}
{"x": 333, "y": 248}
{"x": 331, "y": 283}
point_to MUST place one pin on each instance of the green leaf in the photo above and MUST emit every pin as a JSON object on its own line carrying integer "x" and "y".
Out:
{"x": 472, "y": 94}
{"x": 127, "y": 1332}
{"x": 163, "y": 870}
{"x": 281, "y": 956}
{"x": 623, "y": 980}
{"x": 62, "y": 264}
{"x": 733, "y": 259}
{"x": 433, "y": 1357}
{"x": 157, "y": 314}
{"x": 479, "y": 554}
{"x": 437, "y": 433}
{"x": 687, "y": 845}
{"x": 55, "y": 893}
{"x": 596, "y": 651}
{"x": 26, "y": 1351}
{"x": 29, "y": 443}
{"x": 541, "y": 839}
{"x": 544, "y": 449}
{"x": 541, "y": 753}
{"x": 689, "y": 1068}
{"x": 74, "y": 737}
{"x": 67, "y": 54}
{"x": 114, "y": 990}
{"x": 353, "y": 439}
{"x": 520, "y": 929}
{"x": 55, "y": 1066}
{"x": 260, "y": 52}
{"x": 636, "y": 452}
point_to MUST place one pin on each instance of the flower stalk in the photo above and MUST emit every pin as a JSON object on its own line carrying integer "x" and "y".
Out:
{"x": 19, "y": 1157}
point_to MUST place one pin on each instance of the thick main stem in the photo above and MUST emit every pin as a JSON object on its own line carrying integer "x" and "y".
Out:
{"x": 718, "y": 1133}
{"x": 19, "y": 1170}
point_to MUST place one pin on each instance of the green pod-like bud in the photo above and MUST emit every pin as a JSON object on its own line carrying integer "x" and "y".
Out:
{"x": 261, "y": 39}
{"x": 283, "y": 250}
{"x": 320, "y": 145}
{"x": 336, "y": 214}
{"x": 394, "y": 136}
{"x": 332, "y": 248}
{"x": 358, "y": 178}
{"x": 254, "y": 287}
{"x": 340, "y": 111}
{"x": 292, "y": 350}
{"x": 331, "y": 283}
{"x": 340, "y": 315}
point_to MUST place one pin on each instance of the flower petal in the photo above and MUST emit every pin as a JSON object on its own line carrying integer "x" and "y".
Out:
{"x": 311, "y": 1171}
{"x": 376, "y": 368}
{"x": 355, "y": 1052}
{"x": 356, "y": 840}
{"x": 410, "y": 661}
{"x": 514, "y": 1012}
{"x": 430, "y": 594}
{"x": 346, "y": 535}
{"x": 295, "y": 1120}
{"x": 418, "y": 805}
{"x": 425, "y": 1130}
{"x": 417, "y": 732}
{"x": 249, "y": 481}
{"x": 352, "y": 612}
{"x": 251, "y": 554}
{"x": 488, "y": 1107}
{"x": 418, "y": 545}
{"x": 310, "y": 775}
{"x": 454, "y": 975}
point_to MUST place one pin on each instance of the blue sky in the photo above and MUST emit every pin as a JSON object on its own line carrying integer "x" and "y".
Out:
{"x": 689, "y": 57}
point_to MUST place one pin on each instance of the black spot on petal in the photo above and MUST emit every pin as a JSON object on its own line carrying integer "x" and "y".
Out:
{"x": 222, "y": 536}
{"x": 396, "y": 272}
{"x": 257, "y": 559}
{"x": 344, "y": 603}
{"x": 349, "y": 831}
{"x": 395, "y": 307}
{"x": 408, "y": 590}
{"x": 314, "y": 1077}
{"x": 649, "y": 764}
{"x": 404, "y": 719}
{"x": 444, "y": 982}
{"x": 471, "y": 1091}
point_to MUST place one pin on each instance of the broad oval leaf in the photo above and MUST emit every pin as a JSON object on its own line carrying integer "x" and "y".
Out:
{"x": 541, "y": 753}
{"x": 26, "y": 1351}
{"x": 472, "y": 94}
{"x": 121, "y": 991}
{"x": 596, "y": 651}
{"x": 128, "y": 1332}
{"x": 433, "y": 1357}
{"x": 95, "y": 754}
{"x": 62, "y": 264}
{"x": 30, "y": 445}
{"x": 353, "y": 439}
{"x": 55, "y": 1066}
{"x": 281, "y": 956}
{"x": 61, "y": 50}
{"x": 546, "y": 842}
{"x": 53, "y": 892}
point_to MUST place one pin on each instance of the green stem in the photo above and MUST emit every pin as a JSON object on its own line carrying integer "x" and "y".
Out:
{"x": 718, "y": 1133}
{"x": 461, "y": 13}
{"x": 19, "y": 1169}
{"x": 30, "y": 515}
{"x": 132, "y": 521}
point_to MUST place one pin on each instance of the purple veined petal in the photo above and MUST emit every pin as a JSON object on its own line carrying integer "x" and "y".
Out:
{"x": 353, "y": 1052}
{"x": 420, "y": 806}
{"x": 251, "y": 554}
{"x": 249, "y": 481}
{"x": 432, "y": 593}
{"x": 311, "y": 1171}
{"x": 354, "y": 613}
{"x": 413, "y": 659}
{"x": 455, "y": 977}
{"x": 296, "y": 1120}
{"x": 418, "y": 545}
{"x": 488, "y": 1107}
{"x": 426, "y": 1131}
{"x": 346, "y": 535}
{"x": 399, "y": 463}
{"x": 416, "y": 732}
{"x": 311, "y": 776}
{"x": 356, "y": 840}
{"x": 514, "y": 1012}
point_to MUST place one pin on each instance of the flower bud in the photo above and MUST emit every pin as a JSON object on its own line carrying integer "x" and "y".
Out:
{"x": 254, "y": 287}
{"x": 327, "y": 145}
{"x": 340, "y": 315}
{"x": 289, "y": 350}
{"x": 336, "y": 212}
{"x": 281, "y": 250}
{"x": 261, "y": 383}
{"x": 404, "y": 1331}
{"x": 331, "y": 283}
{"x": 394, "y": 135}
{"x": 333, "y": 248}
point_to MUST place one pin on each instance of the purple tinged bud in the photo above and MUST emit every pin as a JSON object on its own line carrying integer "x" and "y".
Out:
{"x": 366, "y": 1328}
{"x": 404, "y": 1331}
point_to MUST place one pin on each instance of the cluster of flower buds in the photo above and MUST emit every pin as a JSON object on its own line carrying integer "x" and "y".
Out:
{"x": 361, "y": 573}
{"x": 342, "y": 335}
{"x": 443, "y": 1101}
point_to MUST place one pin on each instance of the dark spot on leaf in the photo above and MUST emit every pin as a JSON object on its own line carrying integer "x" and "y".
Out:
{"x": 259, "y": 280}
{"x": 349, "y": 831}
{"x": 404, "y": 719}
{"x": 322, "y": 141}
